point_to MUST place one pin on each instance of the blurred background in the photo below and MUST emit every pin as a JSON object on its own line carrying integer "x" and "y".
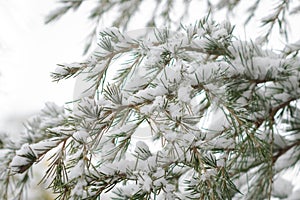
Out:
{"x": 29, "y": 51}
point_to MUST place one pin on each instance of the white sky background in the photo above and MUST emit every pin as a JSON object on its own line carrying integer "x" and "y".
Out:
{"x": 29, "y": 51}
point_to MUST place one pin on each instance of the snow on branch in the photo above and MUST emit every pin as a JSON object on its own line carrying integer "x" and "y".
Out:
{"x": 214, "y": 103}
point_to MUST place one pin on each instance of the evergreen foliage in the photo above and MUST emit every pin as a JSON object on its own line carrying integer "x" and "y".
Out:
{"x": 225, "y": 112}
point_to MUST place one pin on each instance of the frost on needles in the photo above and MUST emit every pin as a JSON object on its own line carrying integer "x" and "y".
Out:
{"x": 172, "y": 82}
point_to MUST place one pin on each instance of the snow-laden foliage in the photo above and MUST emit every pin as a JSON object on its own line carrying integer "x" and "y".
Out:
{"x": 224, "y": 110}
{"x": 17, "y": 155}
{"x": 271, "y": 15}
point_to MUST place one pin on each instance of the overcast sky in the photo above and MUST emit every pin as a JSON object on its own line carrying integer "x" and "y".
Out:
{"x": 29, "y": 51}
